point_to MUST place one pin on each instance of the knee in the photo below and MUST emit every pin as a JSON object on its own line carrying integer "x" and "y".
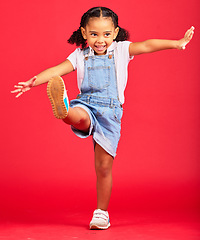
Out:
{"x": 104, "y": 169}
{"x": 84, "y": 119}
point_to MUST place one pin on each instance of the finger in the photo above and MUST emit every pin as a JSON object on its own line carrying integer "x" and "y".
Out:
{"x": 21, "y": 83}
{"x": 191, "y": 29}
{"x": 17, "y": 86}
{"x": 19, "y": 94}
{"x": 188, "y": 31}
{"x": 17, "y": 90}
{"x": 190, "y": 35}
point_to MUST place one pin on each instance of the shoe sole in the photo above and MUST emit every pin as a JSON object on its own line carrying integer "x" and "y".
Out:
{"x": 55, "y": 92}
{"x": 95, "y": 227}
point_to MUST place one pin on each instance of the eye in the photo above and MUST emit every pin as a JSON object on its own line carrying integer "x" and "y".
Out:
{"x": 107, "y": 34}
{"x": 93, "y": 34}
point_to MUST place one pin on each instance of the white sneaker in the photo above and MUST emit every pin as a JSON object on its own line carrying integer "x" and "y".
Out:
{"x": 100, "y": 220}
{"x": 58, "y": 97}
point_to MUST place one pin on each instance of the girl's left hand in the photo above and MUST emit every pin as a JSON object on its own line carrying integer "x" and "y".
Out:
{"x": 184, "y": 41}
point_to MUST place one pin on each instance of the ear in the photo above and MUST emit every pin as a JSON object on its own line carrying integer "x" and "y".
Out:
{"x": 83, "y": 32}
{"x": 116, "y": 31}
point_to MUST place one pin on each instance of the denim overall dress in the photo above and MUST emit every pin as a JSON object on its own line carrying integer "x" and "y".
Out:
{"x": 99, "y": 97}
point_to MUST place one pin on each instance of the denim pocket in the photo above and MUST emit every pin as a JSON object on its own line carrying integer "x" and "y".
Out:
{"x": 118, "y": 112}
{"x": 99, "y": 77}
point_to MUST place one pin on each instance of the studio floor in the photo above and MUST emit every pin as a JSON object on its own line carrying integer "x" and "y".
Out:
{"x": 73, "y": 224}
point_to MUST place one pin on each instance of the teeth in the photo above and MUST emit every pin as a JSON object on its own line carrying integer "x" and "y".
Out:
{"x": 100, "y": 47}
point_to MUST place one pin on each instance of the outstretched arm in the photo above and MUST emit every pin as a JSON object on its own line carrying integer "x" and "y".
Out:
{"x": 153, "y": 45}
{"x": 43, "y": 77}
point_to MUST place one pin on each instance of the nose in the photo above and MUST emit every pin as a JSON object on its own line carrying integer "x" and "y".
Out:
{"x": 100, "y": 39}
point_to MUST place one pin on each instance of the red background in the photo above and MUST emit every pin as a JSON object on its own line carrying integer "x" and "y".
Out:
{"x": 45, "y": 166}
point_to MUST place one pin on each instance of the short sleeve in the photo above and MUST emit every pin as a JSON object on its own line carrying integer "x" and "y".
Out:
{"x": 73, "y": 58}
{"x": 125, "y": 47}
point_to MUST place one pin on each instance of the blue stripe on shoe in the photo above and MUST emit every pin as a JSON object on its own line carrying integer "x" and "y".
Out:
{"x": 66, "y": 103}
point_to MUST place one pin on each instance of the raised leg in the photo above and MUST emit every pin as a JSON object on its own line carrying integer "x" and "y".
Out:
{"x": 57, "y": 94}
{"x": 78, "y": 118}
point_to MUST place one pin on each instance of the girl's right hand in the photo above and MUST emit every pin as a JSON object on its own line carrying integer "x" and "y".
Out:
{"x": 22, "y": 87}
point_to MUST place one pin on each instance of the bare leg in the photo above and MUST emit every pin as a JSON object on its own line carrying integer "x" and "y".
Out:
{"x": 78, "y": 118}
{"x": 103, "y": 167}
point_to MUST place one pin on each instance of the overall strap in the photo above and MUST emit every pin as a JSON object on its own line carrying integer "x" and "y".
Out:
{"x": 111, "y": 52}
{"x": 86, "y": 51}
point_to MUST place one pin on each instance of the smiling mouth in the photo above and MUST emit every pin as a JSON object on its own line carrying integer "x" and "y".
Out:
{"x": 100, "y": 47}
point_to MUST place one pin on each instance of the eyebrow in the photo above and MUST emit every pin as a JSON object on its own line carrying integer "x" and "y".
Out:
{"x": 104, "y": 31}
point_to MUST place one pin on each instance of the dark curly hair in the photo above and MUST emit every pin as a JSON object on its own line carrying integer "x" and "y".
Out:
{"x": 77, "y": 37}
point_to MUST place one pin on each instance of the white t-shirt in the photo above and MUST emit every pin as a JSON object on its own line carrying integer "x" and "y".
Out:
{"x": 121, "y": 56}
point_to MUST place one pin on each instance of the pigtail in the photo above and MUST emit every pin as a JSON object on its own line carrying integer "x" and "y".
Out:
{"x": 123, "y": 35}
{"x": 77, "y": 38}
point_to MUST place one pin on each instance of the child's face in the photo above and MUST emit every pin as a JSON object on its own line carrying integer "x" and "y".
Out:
{"x": 100, "y": 33}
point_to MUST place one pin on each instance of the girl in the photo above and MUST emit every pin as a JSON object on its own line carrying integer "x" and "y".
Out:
{"x": 102, "y": 76}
